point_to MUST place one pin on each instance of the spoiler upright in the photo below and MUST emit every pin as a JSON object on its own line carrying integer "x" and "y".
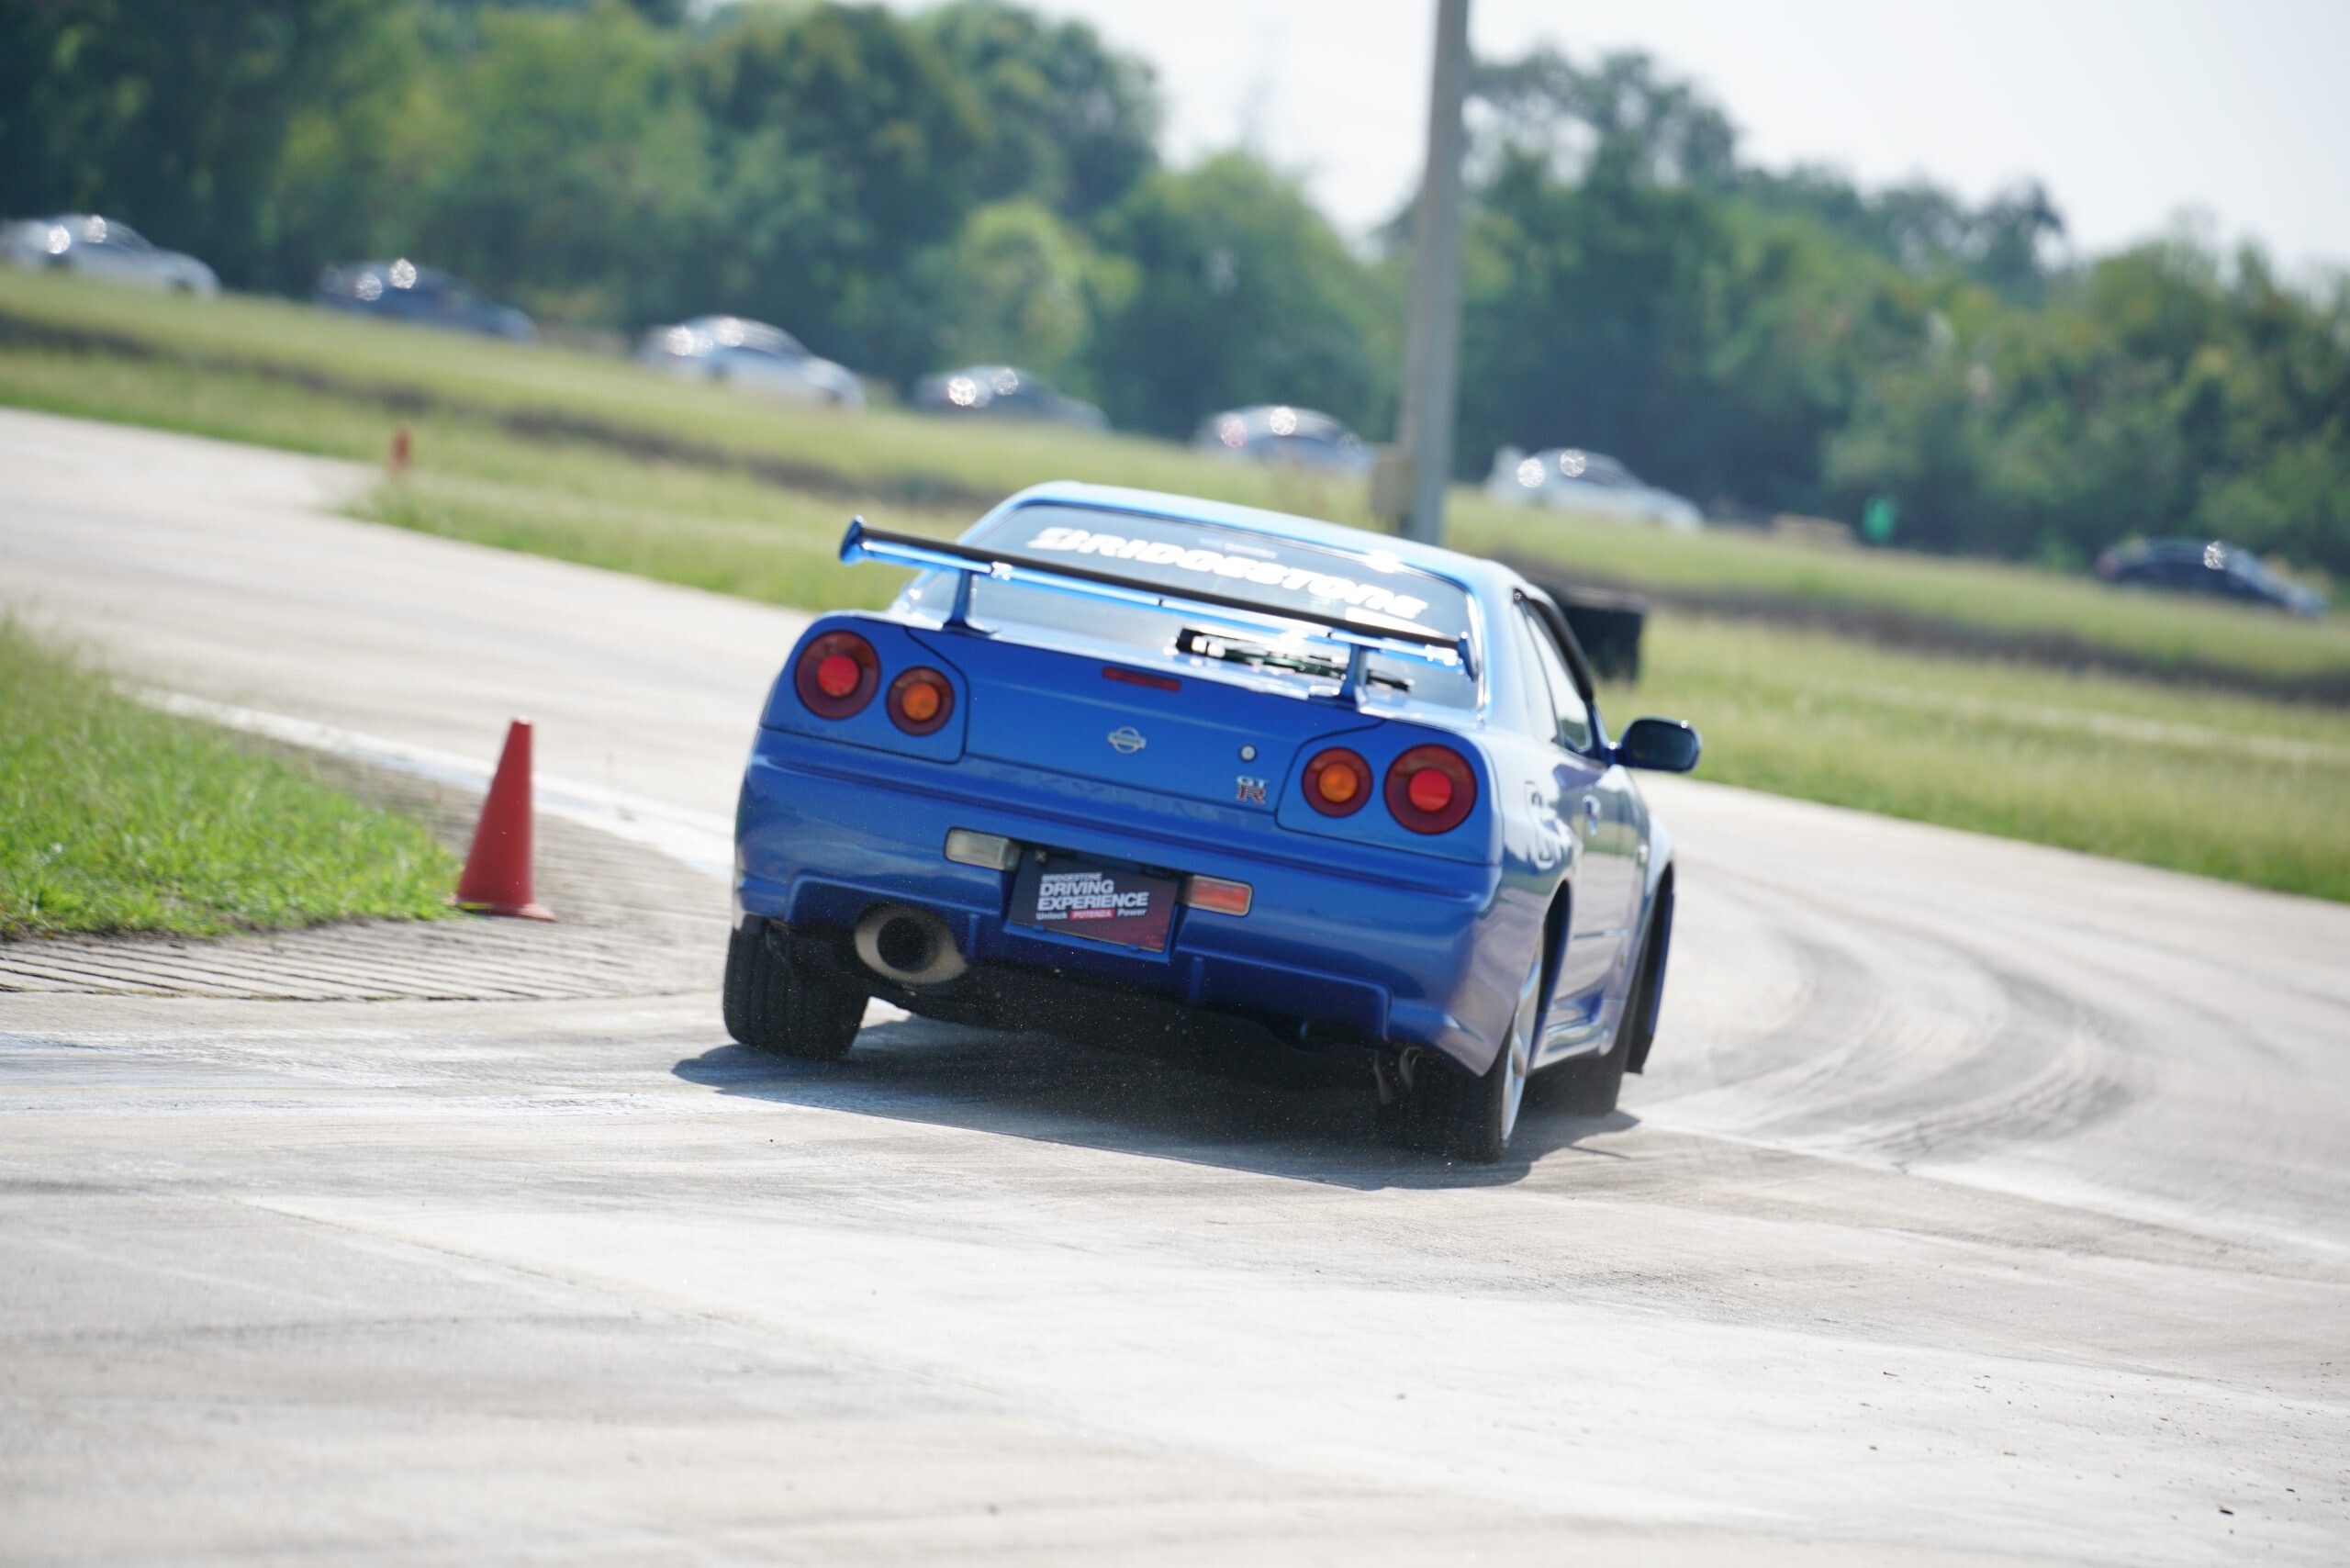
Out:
{"x": 1359, "y": 634}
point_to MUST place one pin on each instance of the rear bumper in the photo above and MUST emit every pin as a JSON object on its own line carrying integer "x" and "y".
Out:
{"x": 1348, "y": 941}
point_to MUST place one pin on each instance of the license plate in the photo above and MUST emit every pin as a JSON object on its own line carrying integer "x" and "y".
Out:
{"x": 1100, "y": 902}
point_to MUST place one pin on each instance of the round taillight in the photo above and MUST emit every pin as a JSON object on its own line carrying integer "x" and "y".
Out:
{"x": 920, "y": 701}
{"x": 1338, "y": 782}
{"x": 1430, "y": 789}
{"x": 836, "y": 674}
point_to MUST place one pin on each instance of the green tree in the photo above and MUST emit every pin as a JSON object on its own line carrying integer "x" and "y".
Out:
{"x": 853, "y": 123}
{"x": 1586, "y": 316}
{"x": 1626, "y": 109}
{"x": 576, "y": 178}
{"x": 1242, "y": 293}
{"x": 1070, "y": 123}
{"x": 170, "y": 117}
{"x": 1020, "y": 286}
{"x": 357, "y": 159}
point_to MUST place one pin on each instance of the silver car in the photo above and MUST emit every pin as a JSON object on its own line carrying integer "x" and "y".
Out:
{"x": 1280, "y": 433}
{"x": 1571, "y": 479}
{"x": 751, "y": 355}
{"x": 100, "y": 247}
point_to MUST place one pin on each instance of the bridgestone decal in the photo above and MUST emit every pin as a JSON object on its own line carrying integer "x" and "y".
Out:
{"x": 1216, "y": 563}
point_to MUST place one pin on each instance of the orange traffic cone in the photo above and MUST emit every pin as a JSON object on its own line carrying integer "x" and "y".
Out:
{"x": 497, "y": 880}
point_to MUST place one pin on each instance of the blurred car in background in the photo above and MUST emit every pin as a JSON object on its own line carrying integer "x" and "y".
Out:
{"x": 2205, "y": 566}
{"x": 751, "y": 356}
{"x": 1571, "y": 479}
{"x": 1276, "y": 433}
{"x": 402, "y": 291}
{"x": 99, "y": 247}
{"x": 1005, "y": 391}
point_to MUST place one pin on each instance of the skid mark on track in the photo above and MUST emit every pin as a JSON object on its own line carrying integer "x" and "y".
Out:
{"x": 1909, "y": 1044}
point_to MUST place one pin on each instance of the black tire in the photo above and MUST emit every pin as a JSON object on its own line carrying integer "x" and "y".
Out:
{"x": 1449, "y": 1115}
{"x": 1481, "y": 1120}
{"x": 784, "y": 999}
{"x": 1655, "y": 955}
{"x": 1589, "y": 1086}
{"x": 1439, "y": 1109}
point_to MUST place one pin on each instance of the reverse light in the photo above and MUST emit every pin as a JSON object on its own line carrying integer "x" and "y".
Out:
{"x": 1337, "y": 781}
{"x": 990, "y": 851}
{"x": 920, "y": 701}
{"x": 836, "y": 674}
{"x": 1430, "y": 789}
{"x": 1218, "y": 895}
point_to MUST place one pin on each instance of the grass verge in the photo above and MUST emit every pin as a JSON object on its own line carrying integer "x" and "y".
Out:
{"x": 2224, "y": 785}
{"x": 2150, "y": 770}
{"x": 358, "y": 374}
{"x": 114, "y": 817}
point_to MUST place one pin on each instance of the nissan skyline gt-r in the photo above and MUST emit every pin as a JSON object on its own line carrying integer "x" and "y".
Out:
{"x": 1120, "y": 763}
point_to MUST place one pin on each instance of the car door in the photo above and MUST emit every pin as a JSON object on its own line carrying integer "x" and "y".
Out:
{"x": 108, "y": 251}
{"x": 1596, "y": 817}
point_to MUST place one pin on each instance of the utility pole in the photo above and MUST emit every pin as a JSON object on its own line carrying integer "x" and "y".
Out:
{"x": 1432, "y": 341}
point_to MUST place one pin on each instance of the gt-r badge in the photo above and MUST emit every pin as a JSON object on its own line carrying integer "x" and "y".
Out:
{"x": 1125, "y": 740}
{"x": 1249, "y": 791}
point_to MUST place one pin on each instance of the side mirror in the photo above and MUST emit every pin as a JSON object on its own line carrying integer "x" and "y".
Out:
{"x": 1666, "y": 746}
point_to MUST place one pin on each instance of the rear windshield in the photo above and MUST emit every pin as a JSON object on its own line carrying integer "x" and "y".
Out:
{"x": 1177, "y": 555}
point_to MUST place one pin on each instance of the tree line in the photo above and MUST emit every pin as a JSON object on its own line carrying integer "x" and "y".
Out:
{"x": 976, "y": 182}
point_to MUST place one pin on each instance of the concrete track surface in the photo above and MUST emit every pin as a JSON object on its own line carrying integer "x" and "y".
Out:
{"x": 1985, "y": 1203}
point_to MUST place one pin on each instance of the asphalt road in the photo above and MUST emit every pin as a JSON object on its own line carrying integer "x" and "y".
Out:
{"x": 1984, "y": 1203}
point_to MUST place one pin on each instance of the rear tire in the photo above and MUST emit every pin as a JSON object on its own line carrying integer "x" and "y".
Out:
{"x": 783, "y": 999}
{"x": 1443, "y": 1111}
{"x": 1485, "y": 1110}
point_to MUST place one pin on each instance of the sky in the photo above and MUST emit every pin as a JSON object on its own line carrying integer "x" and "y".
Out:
{"x": 2132, "y": 112}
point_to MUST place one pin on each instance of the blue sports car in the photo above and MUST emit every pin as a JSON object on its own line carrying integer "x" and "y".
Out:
{"x": 1141, "y": 766}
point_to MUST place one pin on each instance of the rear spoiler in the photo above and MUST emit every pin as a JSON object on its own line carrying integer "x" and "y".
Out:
{"x": 1359, "y": 634}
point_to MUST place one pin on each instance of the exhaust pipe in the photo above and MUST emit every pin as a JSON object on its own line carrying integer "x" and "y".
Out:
{"x": 912, "y": 946}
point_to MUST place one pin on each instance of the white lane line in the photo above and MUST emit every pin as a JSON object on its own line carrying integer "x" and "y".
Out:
{"x": 696, "y": 839}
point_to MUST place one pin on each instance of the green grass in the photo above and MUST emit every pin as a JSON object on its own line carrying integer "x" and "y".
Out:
{"x": 2238, "y": 787}
{"x": 883, "y": 448}
{"x": 2164, "y": 773}
{"x": 114, "y": 817}
{"x": 2020, "y": 601}
{"x": 890, "y": 453}
{"x": 789, "y": 556}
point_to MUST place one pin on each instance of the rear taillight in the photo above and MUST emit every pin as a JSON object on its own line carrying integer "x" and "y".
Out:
{"x": 1337, "y": 781}
{"x": 920, "y": 701}
{"x": 836, "y": 674}
{"x": 1430, "y": 789}
{"x": 1217, "y": 895}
